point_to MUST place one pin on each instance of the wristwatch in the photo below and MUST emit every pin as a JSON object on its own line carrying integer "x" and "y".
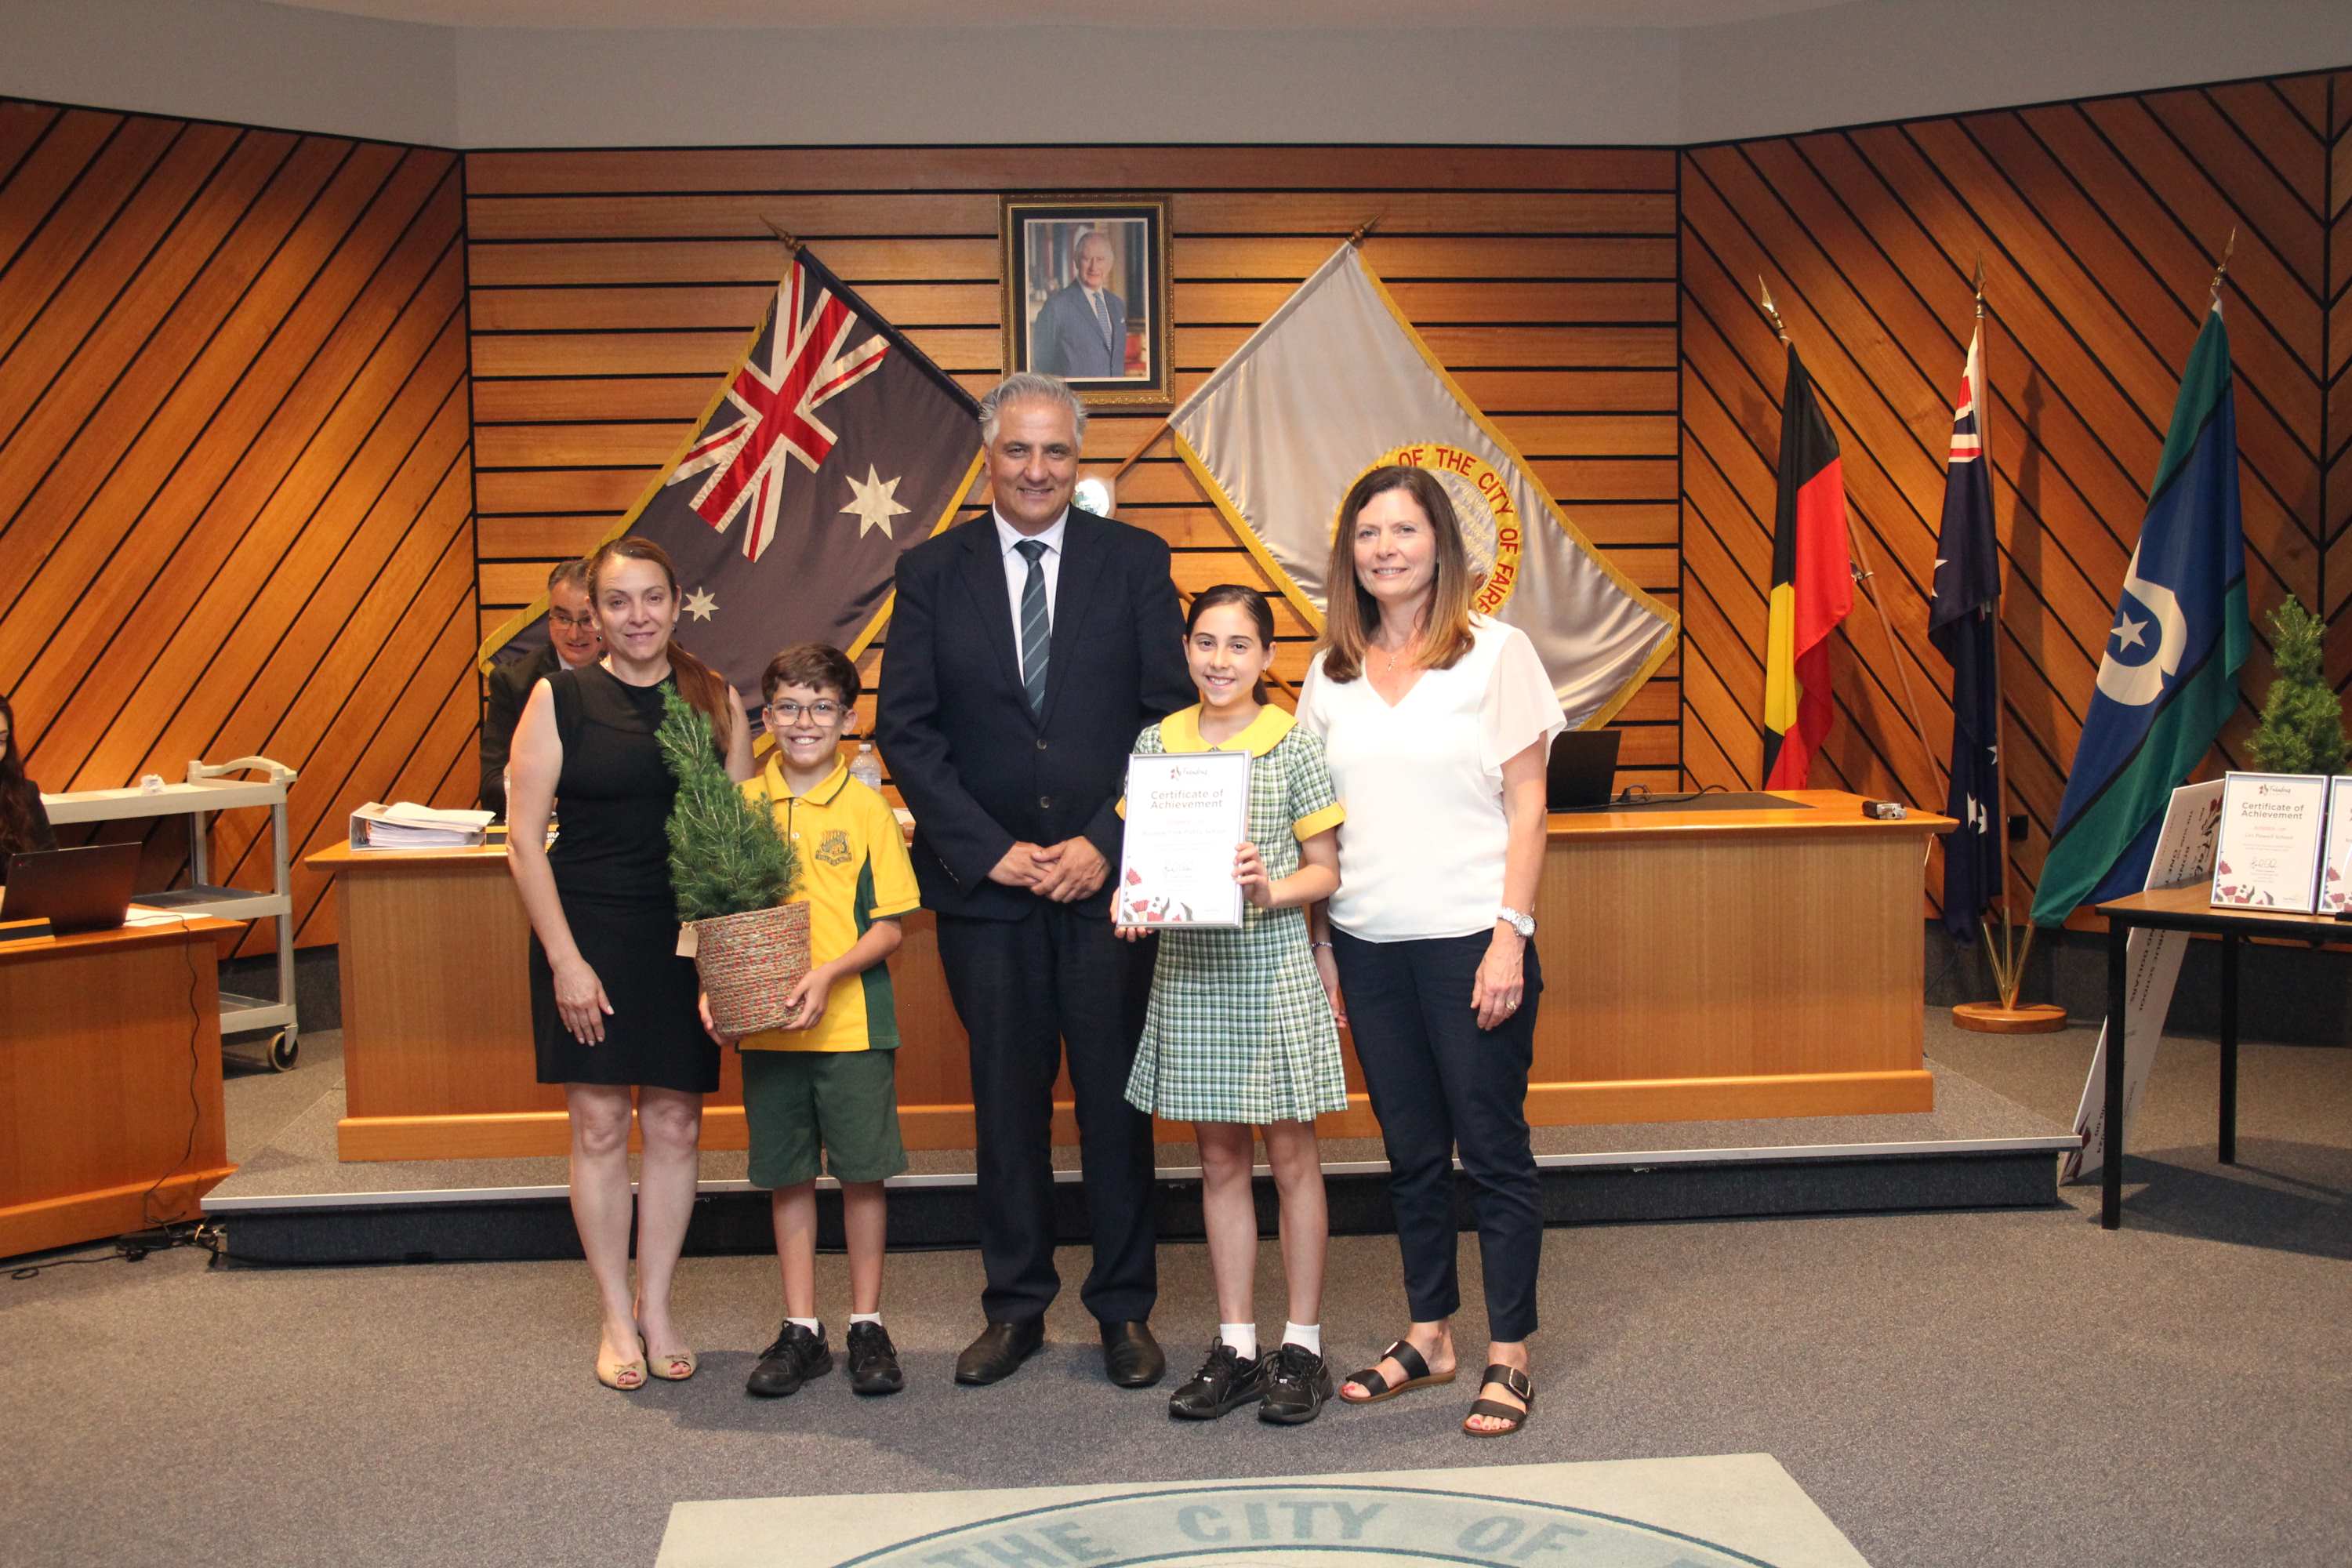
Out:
{"x": 1525, "y": 924}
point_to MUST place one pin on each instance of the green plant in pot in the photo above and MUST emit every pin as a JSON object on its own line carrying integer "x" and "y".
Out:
{"x": 2302, "y": 730}
{"x": 733, "y": 874}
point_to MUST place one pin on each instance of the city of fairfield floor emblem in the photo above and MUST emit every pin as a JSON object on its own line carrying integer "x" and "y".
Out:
{"x": 1492, "y": 529}
{"x": 1715, "y": 1512}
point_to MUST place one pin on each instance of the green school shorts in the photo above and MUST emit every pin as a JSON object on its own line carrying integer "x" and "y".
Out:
{"x": 844, "y": 1102}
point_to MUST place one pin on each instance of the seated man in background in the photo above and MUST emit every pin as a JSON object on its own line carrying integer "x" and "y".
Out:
{"x": 572, "y": 640}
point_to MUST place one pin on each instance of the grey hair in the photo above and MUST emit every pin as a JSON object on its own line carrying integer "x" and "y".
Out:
{"x": 1028, "y": 386}
{"x": 573, "y": 573}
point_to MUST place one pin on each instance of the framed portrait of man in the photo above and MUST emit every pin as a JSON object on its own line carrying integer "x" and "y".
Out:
{"x": 1085, "y": 295}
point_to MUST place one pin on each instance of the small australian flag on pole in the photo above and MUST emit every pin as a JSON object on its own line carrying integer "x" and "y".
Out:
{"x": 1962, "y": 623}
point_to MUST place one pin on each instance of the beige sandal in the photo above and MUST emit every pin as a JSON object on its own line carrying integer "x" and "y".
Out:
{"x": 674, "y": 1358}
{"x": 624, "y": 1376}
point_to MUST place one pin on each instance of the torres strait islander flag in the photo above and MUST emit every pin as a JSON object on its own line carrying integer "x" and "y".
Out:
{"x": 1812, "y": 586}
{"x": 2168, "y": 678}
{"x": 1962, "y": 623}
{"x": 831, "y": 446}
{"x": 1335, "y": 383}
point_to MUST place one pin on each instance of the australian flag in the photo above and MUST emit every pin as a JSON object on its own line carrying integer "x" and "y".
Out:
{"x": 831, "y": 446}
{"x": 1963, "y": 622}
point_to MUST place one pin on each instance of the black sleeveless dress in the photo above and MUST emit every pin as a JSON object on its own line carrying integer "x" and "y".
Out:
{"x": 611, "y": 862}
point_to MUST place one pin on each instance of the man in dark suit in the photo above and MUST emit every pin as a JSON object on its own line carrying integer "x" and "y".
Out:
{"x": 572, "y": 640}
{"x": 1026, "y": 650}
{"x": 1081, "y": 331}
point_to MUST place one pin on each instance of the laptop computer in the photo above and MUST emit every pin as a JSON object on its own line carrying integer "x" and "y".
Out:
{"x": 1583, "y": 769}
{"x": 75, "y": 889}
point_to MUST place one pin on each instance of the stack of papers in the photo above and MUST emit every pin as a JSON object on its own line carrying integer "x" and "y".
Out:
{"x": 404, "y": 825}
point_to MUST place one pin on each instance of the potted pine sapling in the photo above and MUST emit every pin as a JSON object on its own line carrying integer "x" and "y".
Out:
{"x": 732, "y": 873}
{"x": 2302, "y": 730}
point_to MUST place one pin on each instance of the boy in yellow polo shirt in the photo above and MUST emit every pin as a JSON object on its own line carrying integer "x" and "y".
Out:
{"x": 825, "y": 1081}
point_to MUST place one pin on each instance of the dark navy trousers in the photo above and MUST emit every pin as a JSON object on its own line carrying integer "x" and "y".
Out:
{"x": 1438, "y": 1084}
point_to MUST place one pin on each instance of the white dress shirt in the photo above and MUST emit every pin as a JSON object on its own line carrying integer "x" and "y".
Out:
{"x": 1017, "y": 568}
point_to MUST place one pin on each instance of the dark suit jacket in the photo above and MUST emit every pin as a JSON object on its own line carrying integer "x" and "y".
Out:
{"x": 506, "y": 689}
{"x": 978, "y": 770}
{"x": 1068, "y": 339}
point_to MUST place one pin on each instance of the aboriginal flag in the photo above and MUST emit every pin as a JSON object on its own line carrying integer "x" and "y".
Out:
{"x": 829, "y": 448}
{"x": 1812, "y": 586}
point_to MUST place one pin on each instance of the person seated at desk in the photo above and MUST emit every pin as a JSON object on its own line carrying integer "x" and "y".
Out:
{"x": 572, "y": 640}
{"x": 24, "y": 825}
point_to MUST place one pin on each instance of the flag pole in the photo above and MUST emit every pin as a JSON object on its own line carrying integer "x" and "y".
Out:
{"x": 1859, "y": 568}
{"x": 2007, "y": 957}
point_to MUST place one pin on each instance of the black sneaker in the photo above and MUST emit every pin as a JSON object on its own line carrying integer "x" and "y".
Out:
{"x": 1225, "y": 1381}
{"x": 1296, "y": 1384}
{"x": 795, "y": 1357}
{"x": 873, "y": 1361}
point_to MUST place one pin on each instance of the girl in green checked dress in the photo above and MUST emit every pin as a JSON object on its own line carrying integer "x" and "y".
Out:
{"x": 1242, "y": 1038}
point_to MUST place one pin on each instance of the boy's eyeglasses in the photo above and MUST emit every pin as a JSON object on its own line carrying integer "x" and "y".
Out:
{"x": 824, "y": 710}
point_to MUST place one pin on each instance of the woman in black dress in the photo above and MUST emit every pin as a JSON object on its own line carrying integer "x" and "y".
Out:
{"x": 612, "y": 1003}
{"x": 24, "y": 825}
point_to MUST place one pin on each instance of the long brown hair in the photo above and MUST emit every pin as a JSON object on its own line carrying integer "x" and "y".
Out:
{"x": 16, "y": 791}
{"x": 696, "y": 681}
{"x": 1349, "y": 618}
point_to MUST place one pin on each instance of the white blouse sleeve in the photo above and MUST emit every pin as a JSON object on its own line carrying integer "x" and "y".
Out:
{"x": 1520, "y": 706}
{"x": 1310, "y": 715}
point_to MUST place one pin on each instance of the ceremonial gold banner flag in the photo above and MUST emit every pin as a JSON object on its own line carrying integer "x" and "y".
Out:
{"x": 1336, "y": 383}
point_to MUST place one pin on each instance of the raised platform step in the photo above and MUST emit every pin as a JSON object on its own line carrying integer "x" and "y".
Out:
{"x": 293, "y": 1202}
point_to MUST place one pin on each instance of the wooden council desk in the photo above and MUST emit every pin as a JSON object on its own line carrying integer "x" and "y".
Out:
{"x": 95, "y": 1081}
{"x": 1699, "y": 965}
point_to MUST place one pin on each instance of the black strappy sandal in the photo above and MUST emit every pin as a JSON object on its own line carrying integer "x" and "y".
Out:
{"x": 1520, "y": 1384}
{"x": 1417, "y": 1375}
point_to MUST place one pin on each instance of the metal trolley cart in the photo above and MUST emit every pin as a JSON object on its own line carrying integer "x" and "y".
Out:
{"x": 209, "y": 789}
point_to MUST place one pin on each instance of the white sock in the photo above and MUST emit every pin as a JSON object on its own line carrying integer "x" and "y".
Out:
{"x": 1308, "y": 1337}
{"x": 857, "y": 1318}
{"x": 814, "y": 1325}
{"x": 1242, "y": 1338}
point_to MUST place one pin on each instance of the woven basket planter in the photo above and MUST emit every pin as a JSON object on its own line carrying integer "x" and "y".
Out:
{"x": 749, "y": 963}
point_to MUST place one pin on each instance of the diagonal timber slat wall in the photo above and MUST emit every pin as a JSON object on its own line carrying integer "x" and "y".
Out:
{"x": 234, "y": 468}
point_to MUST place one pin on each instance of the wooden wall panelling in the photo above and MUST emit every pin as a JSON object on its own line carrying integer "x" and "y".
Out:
{"x": 2334, "y": 121}
{"x": 609, "y": 288}
{"x": 233, "y": 433}
{"x": 2097, "y": 222}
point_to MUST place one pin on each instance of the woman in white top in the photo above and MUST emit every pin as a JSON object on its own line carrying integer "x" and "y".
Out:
{"x": 1435, "y": 724}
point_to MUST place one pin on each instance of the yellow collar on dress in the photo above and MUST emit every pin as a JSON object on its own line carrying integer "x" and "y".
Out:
{"x": 822, "y": 795}
{"x": 1182, "y": 732}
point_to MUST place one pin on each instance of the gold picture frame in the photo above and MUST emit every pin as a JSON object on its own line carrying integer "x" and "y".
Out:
{"x": 1087, "y": 296}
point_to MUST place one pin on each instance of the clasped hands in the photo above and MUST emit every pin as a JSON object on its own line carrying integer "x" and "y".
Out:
{"x": 1064, "y": 872}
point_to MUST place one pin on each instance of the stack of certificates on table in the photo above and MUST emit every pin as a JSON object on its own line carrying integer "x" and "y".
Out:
{"x": 404, "y": 825}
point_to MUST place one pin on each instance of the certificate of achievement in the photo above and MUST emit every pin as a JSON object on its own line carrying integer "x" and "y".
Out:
{"x": 1186, "y": 816}
{"x": 2335, "y": 880}
{"x": 2272, "y": 825}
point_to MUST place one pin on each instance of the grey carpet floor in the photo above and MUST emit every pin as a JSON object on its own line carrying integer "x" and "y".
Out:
{"x": 2001, "y": 1388}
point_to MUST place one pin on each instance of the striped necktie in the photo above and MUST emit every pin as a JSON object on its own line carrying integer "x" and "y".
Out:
{"x": 1036, "y": 626}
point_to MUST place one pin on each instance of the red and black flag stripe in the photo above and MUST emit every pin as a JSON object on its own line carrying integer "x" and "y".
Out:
{"x": 1812, "y": 586}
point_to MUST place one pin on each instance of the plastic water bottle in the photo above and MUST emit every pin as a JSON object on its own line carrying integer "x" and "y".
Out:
{"x": 865, "y": 767}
